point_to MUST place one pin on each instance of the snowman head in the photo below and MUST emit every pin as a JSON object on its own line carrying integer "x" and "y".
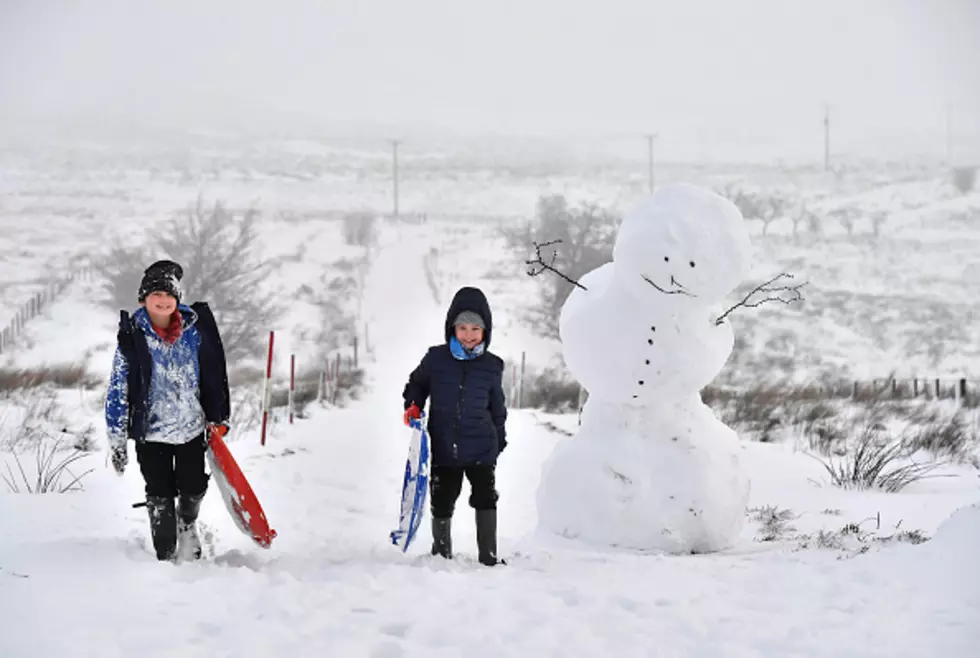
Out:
{"x": 684, "y": 243}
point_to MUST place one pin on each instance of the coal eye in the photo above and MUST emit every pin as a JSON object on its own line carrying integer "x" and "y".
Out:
{"x": 666, "y": 259}
{"x": 692, "y": 263}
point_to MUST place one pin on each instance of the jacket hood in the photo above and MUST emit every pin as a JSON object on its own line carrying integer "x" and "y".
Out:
{"x": 470, "y": 299}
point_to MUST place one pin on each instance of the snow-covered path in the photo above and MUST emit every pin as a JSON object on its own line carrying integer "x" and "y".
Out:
{"x": 76, "y": 578}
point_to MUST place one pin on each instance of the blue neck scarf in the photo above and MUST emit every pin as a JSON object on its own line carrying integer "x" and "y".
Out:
{"x": 462, "y": 353}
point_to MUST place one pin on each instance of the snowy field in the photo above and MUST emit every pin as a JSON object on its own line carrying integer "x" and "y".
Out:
{"x": 819, "y": 571}
{"x": 331, "y": 583}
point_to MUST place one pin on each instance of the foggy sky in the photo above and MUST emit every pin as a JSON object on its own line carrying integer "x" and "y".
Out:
{"x": 707, "y": 76}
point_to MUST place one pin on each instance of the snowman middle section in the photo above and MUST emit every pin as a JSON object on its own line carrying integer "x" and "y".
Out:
{"x": 632, "y": 350}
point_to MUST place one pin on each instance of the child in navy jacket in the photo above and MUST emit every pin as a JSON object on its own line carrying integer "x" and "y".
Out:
{"x": 463, "y": 383}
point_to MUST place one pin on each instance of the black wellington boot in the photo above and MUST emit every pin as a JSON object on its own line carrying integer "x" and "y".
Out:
{"x": 187, "y": 511}
{"x": 486, "y": 536}
{"x": 163, "y": 526}
{"x": 442, "y": 540}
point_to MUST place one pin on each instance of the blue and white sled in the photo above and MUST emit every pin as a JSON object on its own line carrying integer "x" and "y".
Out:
{"x": 415, "y": 486}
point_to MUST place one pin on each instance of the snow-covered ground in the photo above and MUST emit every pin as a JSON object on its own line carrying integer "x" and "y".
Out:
{"x": 77, "y": 577}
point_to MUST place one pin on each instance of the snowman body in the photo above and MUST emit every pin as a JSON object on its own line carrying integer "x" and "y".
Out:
{"x": 651, "y": 467}
{"x": 663, "y": 478}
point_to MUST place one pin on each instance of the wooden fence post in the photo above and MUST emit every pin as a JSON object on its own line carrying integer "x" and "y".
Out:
{"x": 520, "y": 394}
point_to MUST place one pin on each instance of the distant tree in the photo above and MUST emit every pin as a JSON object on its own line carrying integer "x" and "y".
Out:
{"x": 800, "y": 215}
{"x": 878, "y": 220}
{"x": 360, "y": 228}
{"x": 583, "y": 238}
{"x": 219, "y": 253}
{"x": 764, "y": 208}
{"x": 846, "y": 217}
{"x": 964, "y": 178}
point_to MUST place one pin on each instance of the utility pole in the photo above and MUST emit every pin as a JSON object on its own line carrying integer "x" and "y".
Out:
{"x": 826, "y": 138}
{"x": 650, "y": 139}
{"x": 394, "y": 162}
{"x": 949, "y": 134}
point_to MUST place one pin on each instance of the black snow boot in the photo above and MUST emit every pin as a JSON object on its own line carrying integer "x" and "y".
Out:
{"x": 486, "y": 536}
{"x": 442, "y": 540}
{"x": 163, "y": 526}
{"x": 190, "y": 542}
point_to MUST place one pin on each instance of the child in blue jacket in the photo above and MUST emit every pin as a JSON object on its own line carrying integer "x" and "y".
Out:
{"x": 169, "y": 382}
{"x": 463, "y": 383}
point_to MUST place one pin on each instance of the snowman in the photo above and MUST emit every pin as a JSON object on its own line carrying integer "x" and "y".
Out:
{"x": 651, "y": 468}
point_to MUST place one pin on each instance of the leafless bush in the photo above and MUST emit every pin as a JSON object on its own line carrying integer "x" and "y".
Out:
{"x": 847, "y": 218}
{"x": 429, "y": 264}
{"x": 550, "y": 390}
{"x": 964, "y": 178}
{"x": 63, "y": 375}
{"x": 852, "y": 539}
{"x": 49, "y": 474}
{"x": 581, "y": 239}
{"x": 219, "y": 253}
{"x": 360, "y": 228}
{"x": 765, "y": 208}
{"x": 945, "y": 436}
{"x": 37, "y": 414}
{"x": 767, "y": 408}
{"x": 801, "y": 215}
{"x": 774, "y": 522}
{"x": 876, "y": 462}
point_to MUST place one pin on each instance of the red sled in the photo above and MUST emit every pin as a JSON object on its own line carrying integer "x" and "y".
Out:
{"x": 241, "y": 501}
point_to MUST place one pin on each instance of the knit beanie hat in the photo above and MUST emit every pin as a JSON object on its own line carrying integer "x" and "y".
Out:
{"x": 469, "y": 317}
{"x": 162, "y": 276}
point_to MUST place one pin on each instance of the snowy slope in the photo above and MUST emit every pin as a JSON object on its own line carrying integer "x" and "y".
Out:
{"x": 332, "y": 585}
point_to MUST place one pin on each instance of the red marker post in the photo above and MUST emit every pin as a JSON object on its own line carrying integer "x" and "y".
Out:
{"x": 267, "y": 393}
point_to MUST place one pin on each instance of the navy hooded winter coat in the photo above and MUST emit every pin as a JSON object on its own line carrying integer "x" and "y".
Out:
{"x": 466, "y": 399}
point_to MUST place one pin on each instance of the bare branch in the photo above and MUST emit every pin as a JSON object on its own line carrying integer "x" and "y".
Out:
{"x": 539, "y": 261}
{"x": 774, "y": 295}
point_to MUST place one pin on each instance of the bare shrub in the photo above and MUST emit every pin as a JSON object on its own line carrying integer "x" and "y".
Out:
{"x": 360, "y": 228}
{"x": 582, "y": 239}
{"x": 964, "y": 179}
{"x": 765, "y": 208}
{"x": 876, "y": 463}
{"x": 63, "y": 375}
{"x": 852, "y": 539}
{"x": 37, "y": 414}
{"x": 551, "y": 390}
{"x": 774, "y": 522}
{"x": 847, "y": 218}
{"x": 49, "y": 473}
{"x": 949, "y": 436}
{"x": 219, "y": 254}
{"x": 767, "y": 408}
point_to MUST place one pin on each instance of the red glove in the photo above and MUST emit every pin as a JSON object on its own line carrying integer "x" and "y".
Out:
{"x": 412, "y": 412}
{"x": 219, "y": 429}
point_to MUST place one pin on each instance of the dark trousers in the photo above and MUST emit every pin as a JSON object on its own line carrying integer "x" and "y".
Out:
{"x": 447, "y": 482}
{"x": 169, "y": 469}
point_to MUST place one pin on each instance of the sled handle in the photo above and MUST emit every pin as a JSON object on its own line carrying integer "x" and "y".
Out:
{"x": 416, "y": 423}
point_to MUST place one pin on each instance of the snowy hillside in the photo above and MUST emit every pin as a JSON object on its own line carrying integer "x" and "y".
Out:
{"x": 819, "y": 571}
{"x": 838, "y": 582}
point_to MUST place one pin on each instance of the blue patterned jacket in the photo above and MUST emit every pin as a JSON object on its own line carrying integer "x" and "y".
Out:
{"x": 155, "y": 389}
